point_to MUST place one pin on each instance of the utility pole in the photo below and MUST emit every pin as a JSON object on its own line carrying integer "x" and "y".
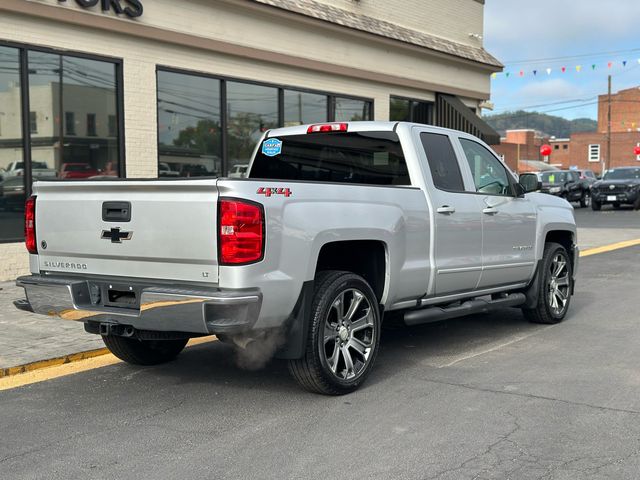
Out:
{"x": 607, "y": 163}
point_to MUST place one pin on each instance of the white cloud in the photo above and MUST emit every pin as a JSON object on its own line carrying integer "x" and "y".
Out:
{"x": 516, "y": 30}
{"x": 553, "y": 89}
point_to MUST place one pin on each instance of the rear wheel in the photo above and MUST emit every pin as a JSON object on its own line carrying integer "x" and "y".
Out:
{"x": 343, "y": 338}
{"x": 554, "y": 287}
{"x": 595, "y": 205}
{"x": 144, "y": 352}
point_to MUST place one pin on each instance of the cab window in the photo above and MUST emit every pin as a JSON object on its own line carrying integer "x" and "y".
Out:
{"x": 442, "y": 161}
{"x": 489, "y": 175}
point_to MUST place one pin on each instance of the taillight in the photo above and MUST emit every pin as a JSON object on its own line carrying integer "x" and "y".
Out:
{"x": 30, "y": 224}
{"x": 240, "y": 231}
{"x": 327, "y": 127}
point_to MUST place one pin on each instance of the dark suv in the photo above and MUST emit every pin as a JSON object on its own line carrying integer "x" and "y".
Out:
{"x": 566, "y": 184}
{"x": 619, "y": 186}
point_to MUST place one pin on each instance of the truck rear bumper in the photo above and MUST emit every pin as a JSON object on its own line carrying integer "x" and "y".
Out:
{"x": 145, "y": 306}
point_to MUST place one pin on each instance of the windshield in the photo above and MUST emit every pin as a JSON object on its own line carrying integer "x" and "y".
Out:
{"x": 553, "y": 177}
{"x": 623, "y": 174}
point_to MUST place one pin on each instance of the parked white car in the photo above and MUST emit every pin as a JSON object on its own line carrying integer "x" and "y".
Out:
{"x": 239, "y": 171}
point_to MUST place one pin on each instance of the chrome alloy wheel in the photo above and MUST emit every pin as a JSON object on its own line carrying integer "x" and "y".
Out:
{"x": 349, "y": 334}
{"x": 559, "y": 284}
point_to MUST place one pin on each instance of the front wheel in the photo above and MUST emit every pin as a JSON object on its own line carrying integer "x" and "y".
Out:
{"x": 344, "y": 335}
{"x": 144, "y": 352}
{"x": 595, "y": 205}
{"x": 554, "y": 286}
{"x": 585, "y": 201}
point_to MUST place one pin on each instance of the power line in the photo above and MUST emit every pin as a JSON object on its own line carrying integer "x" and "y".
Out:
{"x": 569, "y": 57}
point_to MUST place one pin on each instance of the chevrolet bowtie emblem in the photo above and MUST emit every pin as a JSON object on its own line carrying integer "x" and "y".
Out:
{"x": 115, "y": 235}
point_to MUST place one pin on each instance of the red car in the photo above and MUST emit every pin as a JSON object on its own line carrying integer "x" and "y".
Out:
{"x": 77, "y": 170}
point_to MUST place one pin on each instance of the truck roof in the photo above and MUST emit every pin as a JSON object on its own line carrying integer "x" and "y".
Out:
{"x": 365, "y": 126}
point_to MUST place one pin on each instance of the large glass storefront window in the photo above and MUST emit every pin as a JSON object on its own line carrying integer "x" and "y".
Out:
{"x": 352, "y": 110}
{"x": 12, "y": 179}
{"x": 189, "y": 125}
{"x": 302, "y": 107}
{"x": 408, "y": 110}
{"x": 210, "y": 126}
{"x": 251, "y": 110}
{"x": 71, "y": 101}
{"x": 70, "y": 118}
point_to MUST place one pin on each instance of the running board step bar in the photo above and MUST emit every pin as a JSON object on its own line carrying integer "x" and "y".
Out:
{"x": 436, "y": 314}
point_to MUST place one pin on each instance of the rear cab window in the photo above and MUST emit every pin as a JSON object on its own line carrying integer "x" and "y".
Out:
{"x": 374, "y": 158}
{"x": 443, "y": 163}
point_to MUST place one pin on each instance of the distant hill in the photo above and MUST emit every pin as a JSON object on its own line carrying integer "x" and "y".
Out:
{"x": 548, "y": 124}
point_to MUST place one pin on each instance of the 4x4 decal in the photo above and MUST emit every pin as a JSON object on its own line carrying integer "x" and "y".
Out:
{"x": 268, "y": 191}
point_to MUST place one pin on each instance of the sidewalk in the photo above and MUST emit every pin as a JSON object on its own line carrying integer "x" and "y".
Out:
{"x": 26, "y": 337}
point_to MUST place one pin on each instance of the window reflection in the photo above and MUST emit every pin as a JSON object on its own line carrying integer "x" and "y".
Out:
{"x": 302, "y": 107}
{"x": 399, "y": 110}
{"x": 189, "y": 130}
{"x": 351, "y": 110}
{"x": 407, "y": 110}
{"x": 81, "y": 94}
{"x": 12, "y": 188}
{"x": 251, "y": 109}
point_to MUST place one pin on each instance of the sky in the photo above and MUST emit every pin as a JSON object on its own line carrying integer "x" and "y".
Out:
{"x": 527, "y": 35}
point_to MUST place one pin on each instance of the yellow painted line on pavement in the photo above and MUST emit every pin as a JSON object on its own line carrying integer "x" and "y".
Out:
{"x": 610, "y": 247}
{"x": 44, "y": 370}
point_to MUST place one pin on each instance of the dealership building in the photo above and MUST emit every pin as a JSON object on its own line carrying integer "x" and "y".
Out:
{"x": 169, "y": 88}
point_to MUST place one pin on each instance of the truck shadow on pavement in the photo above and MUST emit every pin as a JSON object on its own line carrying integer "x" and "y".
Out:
{"x": 435, "y": 345}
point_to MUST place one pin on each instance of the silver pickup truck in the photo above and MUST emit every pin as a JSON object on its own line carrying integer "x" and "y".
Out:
{"x": 337, "y": 226}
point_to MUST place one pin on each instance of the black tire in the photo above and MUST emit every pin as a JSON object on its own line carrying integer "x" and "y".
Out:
{"x": 595, "y": 205}
{"x": 144, "y": 352}
{"x": 636, "y": 204}
{"x": 313, "y": 371}
{"x": 544, "y": 311}
{"x": 585, "y": 201}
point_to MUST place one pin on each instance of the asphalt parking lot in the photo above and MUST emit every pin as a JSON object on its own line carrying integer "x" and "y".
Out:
{"x": 487, "y": 396}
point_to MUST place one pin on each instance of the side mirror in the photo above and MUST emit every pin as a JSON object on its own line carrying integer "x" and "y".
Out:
{"x": 529, "y": 182}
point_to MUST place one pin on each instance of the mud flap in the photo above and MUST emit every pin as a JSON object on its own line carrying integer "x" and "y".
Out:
{"x": 298, "y": 325}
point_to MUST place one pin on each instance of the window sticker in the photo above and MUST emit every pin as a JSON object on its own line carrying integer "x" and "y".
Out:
{"x": 272, "y": 147}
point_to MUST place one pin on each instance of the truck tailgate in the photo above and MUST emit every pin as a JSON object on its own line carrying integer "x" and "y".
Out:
{"x": 171, "y": 233}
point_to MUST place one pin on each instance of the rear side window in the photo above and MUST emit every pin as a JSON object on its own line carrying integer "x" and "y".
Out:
{"x": 443, "y": 162}
{"x": 351, "y": 157}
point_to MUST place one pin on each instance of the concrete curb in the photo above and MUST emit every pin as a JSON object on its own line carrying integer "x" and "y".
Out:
{"x": 77, "y": 357}
{"x": 52, "y": 362}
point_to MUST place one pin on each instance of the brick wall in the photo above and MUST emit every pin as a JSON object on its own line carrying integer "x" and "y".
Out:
{"x": 622, "y": 144}
{"x": 625, "y": 111}
{"x": 519, "y": 145}
{"x": 14, "y": 261}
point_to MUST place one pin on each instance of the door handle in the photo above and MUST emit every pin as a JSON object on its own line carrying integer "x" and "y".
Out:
{"x": 446, "y": 209}
{"x": 489, "y": 211}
